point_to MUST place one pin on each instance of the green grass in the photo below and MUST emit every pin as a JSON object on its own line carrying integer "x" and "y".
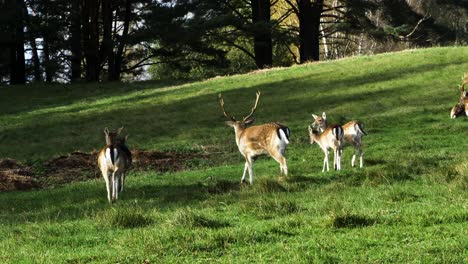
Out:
{"x": 409, "y": 203}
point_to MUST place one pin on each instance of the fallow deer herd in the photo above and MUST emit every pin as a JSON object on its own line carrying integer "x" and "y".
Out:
{"x": 252, "y": 141}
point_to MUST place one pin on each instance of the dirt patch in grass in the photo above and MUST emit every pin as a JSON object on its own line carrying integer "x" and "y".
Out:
{"x": 15, "y": 176}
{"x": 80, "y": 166}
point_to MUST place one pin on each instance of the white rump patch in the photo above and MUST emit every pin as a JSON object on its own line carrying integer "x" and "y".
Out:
{"x": 108, "y": 156}
{"x": 283, "y": 136}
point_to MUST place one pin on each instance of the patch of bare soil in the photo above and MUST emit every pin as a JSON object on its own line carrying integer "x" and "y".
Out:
{"x": 14, "y": 176}
{"x": 80, "y": 166}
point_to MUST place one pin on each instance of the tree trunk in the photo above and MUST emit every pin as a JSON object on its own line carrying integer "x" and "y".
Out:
{"x": 107, "y": 46}
{"x": 17, "y": 64}
{"x": 32, "y": 42}
{"x": 309, "y": 29}
{"x": 75, "y": 40}
{"x": 122, "y": 41}
{"x": 262, "y": 33}
{"x": 91, "y": 39}
{"x": 46, "y": 59}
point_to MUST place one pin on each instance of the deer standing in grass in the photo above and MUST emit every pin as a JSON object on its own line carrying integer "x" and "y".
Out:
{"x": 461, "y": 108}
{"x": 353, "y": 132}
{"x": 113, "y": 161}
{"x": 330, "y": 138}
{"x": 270, "y": 138}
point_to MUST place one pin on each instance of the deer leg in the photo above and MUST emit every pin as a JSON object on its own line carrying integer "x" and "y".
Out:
{"x": 284, "y": 166}
{"x": 325, "y": 161}
{"x": 250, "y": 164}
{"x": 335, "y": 159}
{"x": 360, "y": 156}
{"x": 107, "y": 179}
{"x": 339, "y": 153}
{"x": 122, "y": 182}
{"x": 278, "y": 156}
{"x": 115, "y": 187}
{"x": 246, "y": 167}
{"x": 354, "y": 156}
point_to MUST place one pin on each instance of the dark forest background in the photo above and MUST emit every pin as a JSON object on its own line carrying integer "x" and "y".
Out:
{"x": 113, "y": 40}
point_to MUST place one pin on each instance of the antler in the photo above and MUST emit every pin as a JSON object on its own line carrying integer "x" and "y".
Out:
{"x": 221, "y": 103}
{"x": 254, "y": 107}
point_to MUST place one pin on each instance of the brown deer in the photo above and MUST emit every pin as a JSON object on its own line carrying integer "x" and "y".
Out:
{"x": 353, "y": 132}
{"x": 270, "y": 138}
{"x": 461, "y": 108}
{"x": 113, "y": 161}
{"x": 330, "y": 138}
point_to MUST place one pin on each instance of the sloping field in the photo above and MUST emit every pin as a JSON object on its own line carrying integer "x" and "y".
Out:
{"x": 408, "y": 204}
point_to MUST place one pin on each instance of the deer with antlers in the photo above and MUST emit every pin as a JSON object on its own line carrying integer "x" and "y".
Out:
{"x": 253, "y": 141}
{"x": 353, "y": 132}
{"x": 113, "y": 161}
{"x": 461, "y": 108}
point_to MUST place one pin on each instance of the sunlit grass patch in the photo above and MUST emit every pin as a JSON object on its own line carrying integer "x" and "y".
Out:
{"x": 268, "y": 207}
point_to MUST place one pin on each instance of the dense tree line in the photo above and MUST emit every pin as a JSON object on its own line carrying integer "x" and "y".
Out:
{"x": 111, "y": 40}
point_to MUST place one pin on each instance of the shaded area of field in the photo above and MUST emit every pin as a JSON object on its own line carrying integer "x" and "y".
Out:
{"x": 80, "y": 166}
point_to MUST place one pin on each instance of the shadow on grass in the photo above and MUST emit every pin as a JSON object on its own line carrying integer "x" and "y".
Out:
{"x": 161, "y": 121}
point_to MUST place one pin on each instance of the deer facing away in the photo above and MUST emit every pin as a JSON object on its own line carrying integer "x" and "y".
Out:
{"x": 253, "y": 141}
{"x": 113, "y": 161}
{"x": 353, "y": 132}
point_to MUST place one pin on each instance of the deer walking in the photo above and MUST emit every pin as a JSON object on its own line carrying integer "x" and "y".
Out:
{"x": 113, "y": 161}
{"x": 330, "y": 138}
{"x": 253, "y": 141}
{"x": 353, "y": 132}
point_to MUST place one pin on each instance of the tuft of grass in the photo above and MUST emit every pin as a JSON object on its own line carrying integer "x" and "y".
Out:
{"x": 124, "y": 218}
{"x": 269, "y": 208}
{"x": 350, "y": 220}
{"x": 223, "y": 186}
{"x": 188, "y": 218}
{"x": 267, "y": 185}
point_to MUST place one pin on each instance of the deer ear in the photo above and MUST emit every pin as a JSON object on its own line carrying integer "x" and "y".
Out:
{"x": 249, "y": 121}
{"x": 314, "y": 116}
{"x": 324, "y": 116}
{"x": 119, "y": 130}
{"x": 106, "y": 131}
{"x": 126, "y": 138}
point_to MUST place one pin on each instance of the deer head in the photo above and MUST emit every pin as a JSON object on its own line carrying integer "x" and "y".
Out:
{"x": 112, "y": 137}
{"x": 320, "y": 122}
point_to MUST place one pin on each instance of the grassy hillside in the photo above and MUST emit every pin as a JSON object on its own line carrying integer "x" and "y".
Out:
{"x": 409, "y": 203}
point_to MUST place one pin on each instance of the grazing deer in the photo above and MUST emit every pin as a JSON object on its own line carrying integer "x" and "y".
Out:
{"x": 113, "y": 161}
{"x": 330, "y": 138}
{"x": 461, "y": 108}
{"x": 270, "y": 138}
{"x": 353, "y": 132}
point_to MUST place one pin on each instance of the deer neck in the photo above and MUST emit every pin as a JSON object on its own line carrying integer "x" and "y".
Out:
{"x": 239, "y": 131}
{"x": 322, "y": 127}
